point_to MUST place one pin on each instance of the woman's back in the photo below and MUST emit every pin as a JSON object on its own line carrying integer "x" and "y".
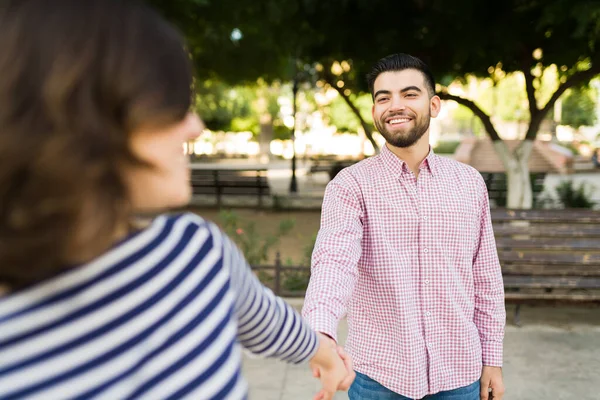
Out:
{"x": 154, "y": 317}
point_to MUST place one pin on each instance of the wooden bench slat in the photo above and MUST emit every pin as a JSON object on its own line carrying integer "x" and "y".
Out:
{"x": 230, "y": 181}
{"x": 554, "y": 255}
{"x": 536, "y": 257}
{"x": 567, "y": 231}
{"x": 582, "y": 244}
{"x": 546, "y": 270}
{"x": 551, "y": 282}
{"x": 547, "y": 216}
{"x": 523, "y": 297}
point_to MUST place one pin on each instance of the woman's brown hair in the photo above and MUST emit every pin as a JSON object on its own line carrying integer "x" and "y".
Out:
{"x": 77, "y": 77}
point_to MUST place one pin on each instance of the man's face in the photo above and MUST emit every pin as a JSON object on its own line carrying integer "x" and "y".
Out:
{"x": 403, "y": 107}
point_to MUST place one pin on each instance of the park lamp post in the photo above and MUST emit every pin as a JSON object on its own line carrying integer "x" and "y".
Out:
{"x": 294, "y": 182}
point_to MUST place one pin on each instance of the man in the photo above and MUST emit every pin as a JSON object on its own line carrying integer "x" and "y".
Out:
{"x": 406, "y": 250}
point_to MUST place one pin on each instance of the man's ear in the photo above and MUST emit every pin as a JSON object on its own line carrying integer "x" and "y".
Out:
{"x": 435, "y": 106}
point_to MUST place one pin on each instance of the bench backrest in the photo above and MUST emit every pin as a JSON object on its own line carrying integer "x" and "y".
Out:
{"x": 548, "y": 242}
{"x": 497, "y": 185}
{"x": 230, "y": 181}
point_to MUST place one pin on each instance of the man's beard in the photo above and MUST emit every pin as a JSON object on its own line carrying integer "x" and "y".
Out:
{"x": 400, "y": 138}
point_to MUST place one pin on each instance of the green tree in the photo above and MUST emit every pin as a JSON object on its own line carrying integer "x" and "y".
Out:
{"x": 466, "y": 38}
{"x": 540, "y": 35}
{"x": 343, "y": 118}
{"x": 579, "y": 108}
{"x": 223, "y": 107}
{"x": 470, "y": 38}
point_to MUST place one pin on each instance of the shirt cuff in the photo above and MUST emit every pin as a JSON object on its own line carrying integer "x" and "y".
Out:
{"x": 323, "y": 323}
{"x": 491, "y": 354}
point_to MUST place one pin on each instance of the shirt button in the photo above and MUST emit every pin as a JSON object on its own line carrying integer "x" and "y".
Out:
{"x": 428, "y": 314}
{"x": 424, "y": 218}
{"x": 427, "y": 281}
{"x": 425, "y": 250}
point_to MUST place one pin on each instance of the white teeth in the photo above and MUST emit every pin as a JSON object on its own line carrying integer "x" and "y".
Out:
{"x": 399, "y": 120}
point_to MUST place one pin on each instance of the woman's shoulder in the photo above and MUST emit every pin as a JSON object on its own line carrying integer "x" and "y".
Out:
{"x": 188, "y": 221}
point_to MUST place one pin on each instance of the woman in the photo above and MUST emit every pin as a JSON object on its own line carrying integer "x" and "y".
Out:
{"x": 94, "y": 110}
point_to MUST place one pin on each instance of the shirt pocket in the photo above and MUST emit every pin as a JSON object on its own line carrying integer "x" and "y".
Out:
{"x": 458, "y": 233}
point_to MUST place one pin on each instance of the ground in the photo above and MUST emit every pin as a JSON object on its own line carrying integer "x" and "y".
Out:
{"x": 554, "y": 356}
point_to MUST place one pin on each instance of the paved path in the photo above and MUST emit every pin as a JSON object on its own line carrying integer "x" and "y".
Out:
{"x": 554, "y": 356}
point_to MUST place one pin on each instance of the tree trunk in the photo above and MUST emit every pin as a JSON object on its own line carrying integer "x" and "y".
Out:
{"x": 366, "y": 127}
{"x": 520, "y": 194}
{"x": 265, "y": 137}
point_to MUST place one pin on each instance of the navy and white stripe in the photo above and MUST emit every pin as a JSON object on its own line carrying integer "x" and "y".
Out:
{"x": 159, "y": 316}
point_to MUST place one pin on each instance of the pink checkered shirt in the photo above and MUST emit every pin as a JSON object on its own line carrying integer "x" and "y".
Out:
{"x": 414, "y": 265}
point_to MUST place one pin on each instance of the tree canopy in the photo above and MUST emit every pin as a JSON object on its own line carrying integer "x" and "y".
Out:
{"x": 242, "y": 40}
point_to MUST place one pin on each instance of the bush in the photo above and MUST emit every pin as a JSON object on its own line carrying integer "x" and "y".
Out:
{"x": 567, "y": 195}
{"x": 254, "y": 247}
{"x": 570, "y": 196}
{"x": 298, "y": 280}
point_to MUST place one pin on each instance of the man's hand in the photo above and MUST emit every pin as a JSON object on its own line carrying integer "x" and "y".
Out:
{"x": 491, "y": 378}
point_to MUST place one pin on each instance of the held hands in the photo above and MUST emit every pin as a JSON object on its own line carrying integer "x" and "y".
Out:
{"x": 333, "y": 367}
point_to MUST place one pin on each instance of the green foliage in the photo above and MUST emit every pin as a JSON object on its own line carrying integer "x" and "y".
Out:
{"x": 297, "y": 280}
{"x": 308, "y": 250}
{"x": 280, "y": 131}
{"x": 579, "y": 108}
{"x": 446, "y": 146}
{"x": 254, "y": 246}
{"x": 568, "y": 195}
{"x": 223, "y": 107}
{"x": 467, "y": 38}
{"x": 340, "y": 115}
{"x": 245, "y": 124}
{"x": 507, "y": 99}
{"x": 571, "y": 196}
{"x": 467, "y": 122}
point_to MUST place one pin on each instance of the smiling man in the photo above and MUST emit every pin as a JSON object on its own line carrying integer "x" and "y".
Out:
{"x": 406, "y": 250}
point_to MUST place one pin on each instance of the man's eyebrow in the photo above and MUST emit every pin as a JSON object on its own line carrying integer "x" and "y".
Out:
{"x": 377, "y": 93}
{"x": 409, "y": 88}
{"x": 404, "y": 90}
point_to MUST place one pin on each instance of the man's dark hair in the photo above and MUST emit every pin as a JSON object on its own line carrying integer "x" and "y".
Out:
{"x": 400, "y": 62}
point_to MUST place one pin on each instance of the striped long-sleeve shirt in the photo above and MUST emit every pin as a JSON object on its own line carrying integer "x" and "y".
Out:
{"x": 159, "y": 316}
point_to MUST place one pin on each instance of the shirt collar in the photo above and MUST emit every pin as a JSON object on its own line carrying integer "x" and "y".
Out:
{"x": 396, "y": 165}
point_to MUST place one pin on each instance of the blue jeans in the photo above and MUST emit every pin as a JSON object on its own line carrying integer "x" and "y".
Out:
{"x": 365, "y": 388}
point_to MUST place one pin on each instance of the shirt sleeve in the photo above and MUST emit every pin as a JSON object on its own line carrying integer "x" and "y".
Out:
{"x": 490, "y": 311}
{"x": 267, "y": 325}
{"x": 334, "y": 270}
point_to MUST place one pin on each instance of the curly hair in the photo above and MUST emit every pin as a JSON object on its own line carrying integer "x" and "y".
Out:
{"x": 78, "y": 77}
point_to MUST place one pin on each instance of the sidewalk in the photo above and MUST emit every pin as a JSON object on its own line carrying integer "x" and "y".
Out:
{"x": 554, "y": 356}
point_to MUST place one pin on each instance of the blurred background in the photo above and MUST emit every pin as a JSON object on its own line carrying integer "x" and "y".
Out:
{"x": 281, "y": 88}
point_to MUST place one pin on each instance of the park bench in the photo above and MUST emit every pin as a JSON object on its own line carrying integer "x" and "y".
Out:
{"x": 231, "y": 182}
{"x": 332, "y": 165}
{"x": 497, "y": 187}
{"x": 548, "y": 256}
